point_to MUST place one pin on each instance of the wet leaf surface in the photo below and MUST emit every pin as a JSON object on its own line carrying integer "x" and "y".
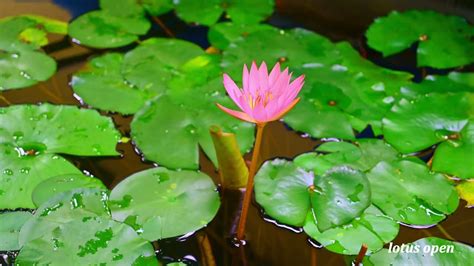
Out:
{"x": 161, "y": 203}
{"x": 10, "y": 225}
{"x": 221, "y": 35}
{"x": 444, "y": 41}
{"x": 409, "y": 193}
{"x": 98, "y": 240}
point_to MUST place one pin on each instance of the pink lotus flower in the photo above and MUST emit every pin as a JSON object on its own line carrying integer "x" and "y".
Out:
{"x": 264, "y": 97}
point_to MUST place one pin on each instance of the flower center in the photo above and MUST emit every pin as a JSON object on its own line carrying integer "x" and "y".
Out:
{"x": 261, "y": 99}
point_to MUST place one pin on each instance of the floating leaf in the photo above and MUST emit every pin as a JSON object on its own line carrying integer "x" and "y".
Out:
{"x": 282, "y": 189}
{"x": 157, "y": 7}
{"x": 450, "y": 47}
{"x": 23, "y": 68}
{"x": 85, "y": 242}
{"x": 10, "y": 225}
{"x": 453, "y": 82}
{"x": 102, "y": 29}
{"x": 362, "y": 155}
{"x": 455, "y": 156}
{"x": 20, "y": 174}
{"x": 221, "y": 35}
{"x": 122, "y": 8}
{"x": 425, "y": 251}
{"x": 408, "y": 192}
{"x": 30, "y": 137}
{"x": 103, "y": 86}
{"x": 75, "y": 205}
{"x": 155, "y": 61}
{"x": 169, "y": 128}
{"x": 339, "y": 196}
{"x": 59, "y": 184}
{"x": 466, "y": 192}
{"x": 208, "y": 12}
{"x": 372, "y": 228}
{"x": 161, "y": 203}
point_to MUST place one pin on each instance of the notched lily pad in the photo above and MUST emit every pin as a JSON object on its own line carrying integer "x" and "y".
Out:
{"x": 450, "y": 47}
{"x": 221, "y": 35}
{"x": 98, "y": 240}
{"x": 372, "y": 228}
{"x": 103, "y": 29}
{"x": 161, "y": 203}
{"x": 208, "y": 12}
{"x": 10, "y": 225}
{"x": 409, "y": 193}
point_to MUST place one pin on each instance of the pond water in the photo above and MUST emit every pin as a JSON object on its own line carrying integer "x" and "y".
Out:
{"x": 268, "y": 242}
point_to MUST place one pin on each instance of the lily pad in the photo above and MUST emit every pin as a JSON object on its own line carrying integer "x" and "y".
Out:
{"x": 443, "y": 41}
{"x": 431, "y": 251}
{"x": 122, "y": 8}
{"x": 59, "y": 184}
{"x": 19, "y": 175}
{"x": 160, "y": 203}
{"x": 409, "y": 193}
{"x": 361, "y": 155}
{"x": 102, "y": 85}
{"x": 454, "y": 157}
{"x": 339, "y": 196}
{"x": 417, "y": 124}
{"x": 221, "y": 35}
{"x": 10, "y": 225}
{"x": 47, "y": 128}
{"x": 288, "y": 192}
{"x": 84, "y": 242}
{"x": 453, "y": 82}
{"x": 157, "y": 7}
{"x": 23, "y": 68}
{"x": 466, "y": 192}
{"x": 282, "y": 189}
{"x": 102, "y": 29}
{"x": 372, "y": 228}
{"x": 154, "y": 62}
{"x": 75, "y": 205}
{"x": 208, "y": 12}
{"x": 177, "y": 120}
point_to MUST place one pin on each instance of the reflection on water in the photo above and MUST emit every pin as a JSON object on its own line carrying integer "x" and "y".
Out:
{"x": 268, "y": 242}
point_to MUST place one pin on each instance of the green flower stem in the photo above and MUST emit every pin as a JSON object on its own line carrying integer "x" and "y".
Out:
{"x": 249, "y": 189}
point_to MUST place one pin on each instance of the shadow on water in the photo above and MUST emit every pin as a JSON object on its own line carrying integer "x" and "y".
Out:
{"x": 268, "y": 242}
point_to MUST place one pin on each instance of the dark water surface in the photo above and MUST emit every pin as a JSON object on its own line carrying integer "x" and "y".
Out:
{"x": 268, "y": 244}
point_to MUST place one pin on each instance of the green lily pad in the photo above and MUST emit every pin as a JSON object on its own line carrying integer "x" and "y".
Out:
{"x": 208, "y": 12}
{"x": 454, "y": 156}
{"x": 58, "y": 184}
{"x": 103, "y": 29}
{"x": 282, "y": 189}
{"x": 362, "y": 155}
{"x": 453, "y": 82}
{"x": 154, "y": 62}
{"x": 10, "y": 225}
{"x": 344, "y": 92}
{"x": 103, "y": 86}
{"x": 287, "y": 193}
{"x": 176, "y": 120}
{"x": 24, "y": 68}
{"x": 19, "y": 175}
{"x": 157, "y": 7}
{"x": 160, "y": 203}
{"x": 425, "y": 251}
{"x": 85, "y": 242}
{"x": 47, "y": 128}
{"x": 221, "y": 35}
{"x": 409, "y": 193}
{"x": 346, "y": 188}
{"x": 75, "y": 205}
{"x": 415, "y": 125}
{"x": 443, "y": 41}
{"x": 122, "y": 8}
{"x": 372, "y": 228}
{"x": 31, "y": 136}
